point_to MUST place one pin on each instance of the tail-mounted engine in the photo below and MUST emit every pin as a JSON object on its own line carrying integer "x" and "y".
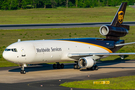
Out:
{"x": 116, "y": 30}
{"x": 112, "y": 32}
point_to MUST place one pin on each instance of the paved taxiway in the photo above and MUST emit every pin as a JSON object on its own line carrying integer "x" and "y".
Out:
{"x": 45, "y": 78}
{"x": 58, "y": 25}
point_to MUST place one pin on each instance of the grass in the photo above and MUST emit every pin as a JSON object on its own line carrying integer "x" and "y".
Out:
{"x": 125, "y": 82}
{"x": 63, "y": 15}
{"x": 11, "y": 36}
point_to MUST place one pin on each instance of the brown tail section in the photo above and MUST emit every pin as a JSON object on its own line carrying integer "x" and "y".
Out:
{"x": 119, "y": 17}
{"x": 116, "y": 30}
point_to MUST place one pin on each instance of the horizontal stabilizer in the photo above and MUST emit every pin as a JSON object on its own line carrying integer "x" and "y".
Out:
{"x": 125, "y": 26}
{"x": 125, "y": 44}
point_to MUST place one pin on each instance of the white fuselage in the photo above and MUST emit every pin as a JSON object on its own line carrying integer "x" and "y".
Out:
{"x": 44, "y": 51}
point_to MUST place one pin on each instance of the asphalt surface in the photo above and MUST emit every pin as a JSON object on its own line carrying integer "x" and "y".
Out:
{"x": 54, "y": 84}
{"x": 49, "y": 79}
{"x": 58, "y": 25}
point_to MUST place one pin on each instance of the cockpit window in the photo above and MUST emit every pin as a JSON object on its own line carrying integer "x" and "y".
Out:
{"x": 13, "y": 49}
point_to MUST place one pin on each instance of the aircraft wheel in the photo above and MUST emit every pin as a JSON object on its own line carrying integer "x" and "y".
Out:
{"x": 58, "y": 66}
{"x": 92, "y": 68}
{"x": 96, "y": 67}
{"x": 122, "y": 56}
{"x": 54, "y": 66}
{"x": 78, "y": 67}
{"x": 62, "y": 66}
{"x": 23, "y": 72}
{"x": 75, "y": 66}
{"x": 88, "y": 68}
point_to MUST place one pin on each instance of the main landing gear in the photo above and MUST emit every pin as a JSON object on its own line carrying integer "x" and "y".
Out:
{"x": 22, "y": 69}
{"x": 95, "y": 67}
{"x": 122, "y": 56}
{"x": 58, "y": 66}
{"x": 76, "y": 66}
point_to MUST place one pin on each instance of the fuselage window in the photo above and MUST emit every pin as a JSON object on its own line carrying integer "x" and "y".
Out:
{"x": 13, "y": 50}
{"x": 7, "y": 49}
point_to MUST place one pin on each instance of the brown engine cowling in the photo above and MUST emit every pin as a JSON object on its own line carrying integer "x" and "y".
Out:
{"x": 112, "y": 32}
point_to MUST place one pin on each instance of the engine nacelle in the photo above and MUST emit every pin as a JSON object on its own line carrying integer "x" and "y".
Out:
{"x": 86, "y": 62}
{"x": 108, "y": 30}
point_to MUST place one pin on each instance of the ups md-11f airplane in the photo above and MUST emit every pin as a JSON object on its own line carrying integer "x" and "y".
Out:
{"x": 84, "y": 51}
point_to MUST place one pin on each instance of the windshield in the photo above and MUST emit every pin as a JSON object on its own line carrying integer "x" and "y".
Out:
{"x": 13, "y": 49}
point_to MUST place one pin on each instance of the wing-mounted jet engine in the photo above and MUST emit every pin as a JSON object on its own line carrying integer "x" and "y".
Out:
{"x": 116, "y": 29}
{"x": 88, "y": 62}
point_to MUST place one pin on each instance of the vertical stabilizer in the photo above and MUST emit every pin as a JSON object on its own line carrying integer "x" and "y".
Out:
{"x": 118, "y": 19}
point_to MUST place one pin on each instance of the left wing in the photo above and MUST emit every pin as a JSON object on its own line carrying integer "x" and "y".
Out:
{"x": 96, "y": 54}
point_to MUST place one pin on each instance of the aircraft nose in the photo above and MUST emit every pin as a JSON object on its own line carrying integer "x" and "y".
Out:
{"x": 5, "y": 55}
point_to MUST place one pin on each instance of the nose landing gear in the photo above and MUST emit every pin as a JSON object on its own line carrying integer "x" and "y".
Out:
{"x": 22, "y": 69}
{"x": 23, "y": 72}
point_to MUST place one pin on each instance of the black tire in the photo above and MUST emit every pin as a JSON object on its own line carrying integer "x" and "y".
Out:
{"x": 78, "y": 67}
{"x": 92, "y": 68}
{"x": 23, "y": 72}
{"x": 96, "y": 67}
{"x": 75, "y": 66}
{"x": 62, "y": 66}
{"x": 88, "y": 68}
{"x": 54, "y": 66}
{"x": 58, "y": 66}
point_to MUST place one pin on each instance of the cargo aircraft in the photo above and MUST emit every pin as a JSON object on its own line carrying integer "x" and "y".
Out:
{"x": 84, "y": 51}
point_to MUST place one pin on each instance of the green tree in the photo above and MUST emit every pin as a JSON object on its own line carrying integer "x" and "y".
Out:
{"x": 13, "y": 4}
{"x": 34, "y": 3}
{"x": 76, "y": 3}
{"x": 53, "y": 3}
{"x": 66, "y": 3}
{"x": 59, "y": 3}
{"x": 5, "y": 5}
{"x": 19, "y": 3}
{"x": 1, "y": 1}
{"x": 46, "y": 2}
{"x": 24, "y": 4}
{"x": 16, "y": 4}
{"x": 88, "y": 3}
{"x": 81, "y": 3}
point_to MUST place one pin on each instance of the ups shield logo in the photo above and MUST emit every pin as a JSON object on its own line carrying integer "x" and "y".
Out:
{"x": 120, "y": 16}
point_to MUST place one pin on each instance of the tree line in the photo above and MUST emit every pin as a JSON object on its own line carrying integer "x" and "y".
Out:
{"x": 25, "y": 4}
